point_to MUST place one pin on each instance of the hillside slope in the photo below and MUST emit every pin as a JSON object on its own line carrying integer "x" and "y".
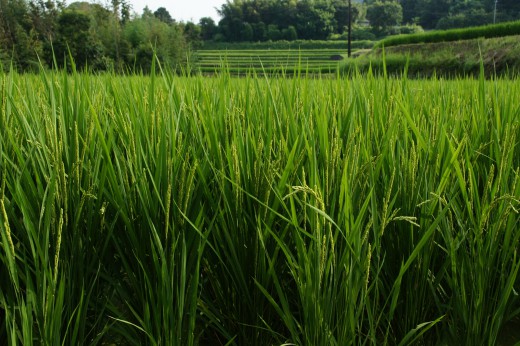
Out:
{"x": 500, "y": 56}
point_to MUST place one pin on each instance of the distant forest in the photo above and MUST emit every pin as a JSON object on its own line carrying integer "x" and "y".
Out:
{"x": 114, "y": 37}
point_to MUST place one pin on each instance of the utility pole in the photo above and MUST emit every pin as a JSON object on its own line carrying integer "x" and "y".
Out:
{"x": 349, "y": 28}
{"x": 495, "y": 13}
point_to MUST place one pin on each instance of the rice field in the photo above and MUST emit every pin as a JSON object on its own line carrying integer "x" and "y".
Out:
{"x": 168, "y": 210}
{"x": 268, "y": 61}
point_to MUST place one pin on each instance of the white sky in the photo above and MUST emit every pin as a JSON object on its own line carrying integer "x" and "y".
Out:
{"x": 181, "y": 10}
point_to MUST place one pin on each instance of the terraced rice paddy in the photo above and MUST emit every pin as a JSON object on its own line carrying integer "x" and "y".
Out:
{"x": 167, "y": 210}
{"x": 269, "y": 61}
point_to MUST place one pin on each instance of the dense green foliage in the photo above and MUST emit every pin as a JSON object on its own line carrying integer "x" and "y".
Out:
{"x": 98, "y": 38}
{"x": 488, "y": 31}
{"x": 254, "y": 211}
{"x": 383, "y": 15}
{"x": 262, "y": 20}
{"x": 444, "y": 14}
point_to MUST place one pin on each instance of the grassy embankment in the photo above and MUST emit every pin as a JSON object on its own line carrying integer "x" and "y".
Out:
{"x": 500, "y": 56}
{"x": 447, "y": 53}
{"x": 254, "y": 211}
{"x": 435, "y": 36}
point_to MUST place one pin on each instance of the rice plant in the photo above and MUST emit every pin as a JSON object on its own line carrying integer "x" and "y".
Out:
{"x": 187, "y": 210}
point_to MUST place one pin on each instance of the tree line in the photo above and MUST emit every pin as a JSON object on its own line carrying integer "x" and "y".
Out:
{"x": 113, "y": 37}
{"x": 447, "y": 14}
{"x": 263, "y": 20}
{"x": 46, "y": 32}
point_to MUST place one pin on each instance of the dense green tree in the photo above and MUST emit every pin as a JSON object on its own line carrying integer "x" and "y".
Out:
{"x": 463, "y": 14}
{"x": 43, "y": 15}
{"x": 163, "y": 15}
{"x": 192, "y": 34}
{"x": 259, "y": 31}
{"x": 433, "y": 11}
{"x": 96, "y": 36}
{"x": 121, "y": 10}
{"x": 107, "y": 28}
{"x": 148, "y": 35}
{"x": 73, "y": 37}
{"x": 290, "y": 33}
{"x": 19, "y": 42}
{"x": 341, "y": 15}
{"x": 231, "y": 23}
{"x": 458, "y": 13}
{"x": 208, "y": 28}
{"x": 147, "y": 13}
{"x": 135, "y": 33}
{"x": 247, "y": 32}
{"x": 508, "y": 9}
{"x": 273, "y": 32}
{"x": 412, "y": 10}
{"x": 250, "y": 12}
{"x": 384, "y": 15}
{"x": 314, "y": 20}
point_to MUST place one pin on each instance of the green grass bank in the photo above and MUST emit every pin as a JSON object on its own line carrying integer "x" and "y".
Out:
{"x": 487, "y": 31}
{"x": 500, "y": 56}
